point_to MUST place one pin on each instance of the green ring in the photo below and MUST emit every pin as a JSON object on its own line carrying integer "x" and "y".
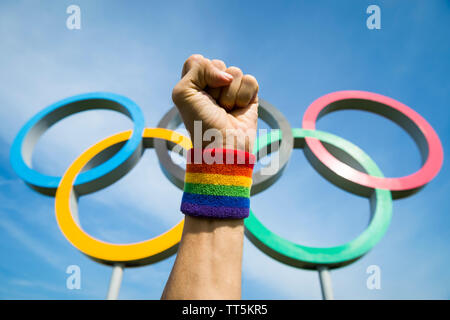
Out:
{"x": 312, "y": 257}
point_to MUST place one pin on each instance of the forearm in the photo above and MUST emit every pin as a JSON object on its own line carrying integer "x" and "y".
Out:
{"x": 209, "y": 260}
{"x": 216, "y": 195}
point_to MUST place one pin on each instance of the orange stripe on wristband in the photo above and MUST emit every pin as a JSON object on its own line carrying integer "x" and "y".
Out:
{"x": 228, "y": 169}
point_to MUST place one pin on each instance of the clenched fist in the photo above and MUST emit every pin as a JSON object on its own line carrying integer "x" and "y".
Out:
{"x": 221, "y": 102}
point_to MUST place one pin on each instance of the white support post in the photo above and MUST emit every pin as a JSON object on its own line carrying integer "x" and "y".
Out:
{"x": 115, "y": 282}
{"x": 325, "y": 283}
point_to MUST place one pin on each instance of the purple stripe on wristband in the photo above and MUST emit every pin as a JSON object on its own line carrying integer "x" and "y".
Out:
{"x": 196, "y": 210}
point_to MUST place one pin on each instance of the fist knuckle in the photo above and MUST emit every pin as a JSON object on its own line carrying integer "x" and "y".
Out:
{"x": 251, "y": 80}
{"x": 195, "y": 57}
{"x": 192, "y": 60}
{"x": 219, "y": 63}
{"x": 235, "y": 71}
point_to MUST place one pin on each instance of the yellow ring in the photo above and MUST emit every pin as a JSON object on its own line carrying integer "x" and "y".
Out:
{"x": 138, "y": 253}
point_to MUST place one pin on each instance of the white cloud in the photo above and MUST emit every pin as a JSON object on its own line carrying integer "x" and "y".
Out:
{"x": 33, "y": 245}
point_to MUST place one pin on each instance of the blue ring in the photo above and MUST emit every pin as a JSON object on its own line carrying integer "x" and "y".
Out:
{"x": 37, "y": 125}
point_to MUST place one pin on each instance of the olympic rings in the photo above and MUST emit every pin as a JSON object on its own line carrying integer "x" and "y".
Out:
{"x": 339, "y": 163}
{"x": 23, "y": 145}
{"x": 268, "y": 113}
{"x": 134, "y": 254}
{"x": 310, "y": 257}
{"x": 417, "y": 127}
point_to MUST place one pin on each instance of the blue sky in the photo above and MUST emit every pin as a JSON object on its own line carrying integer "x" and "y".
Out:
{"x": 298, "y": 51}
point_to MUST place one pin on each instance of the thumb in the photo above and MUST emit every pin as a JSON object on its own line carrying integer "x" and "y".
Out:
{"x": 204, "y": 74}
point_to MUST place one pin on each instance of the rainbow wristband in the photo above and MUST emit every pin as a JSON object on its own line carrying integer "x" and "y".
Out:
{"x": 217, "y": 183}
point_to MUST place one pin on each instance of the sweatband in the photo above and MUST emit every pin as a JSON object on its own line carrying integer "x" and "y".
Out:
{"x": 217, "y": 183}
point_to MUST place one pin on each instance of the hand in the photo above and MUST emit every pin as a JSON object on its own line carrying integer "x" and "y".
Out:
{"x": 221, "y": 98}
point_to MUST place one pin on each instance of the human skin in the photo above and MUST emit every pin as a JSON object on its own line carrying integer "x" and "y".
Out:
{"x": 209, "y": 259}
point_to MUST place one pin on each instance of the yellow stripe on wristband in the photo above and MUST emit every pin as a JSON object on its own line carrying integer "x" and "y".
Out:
{"x": 219, "y": 179}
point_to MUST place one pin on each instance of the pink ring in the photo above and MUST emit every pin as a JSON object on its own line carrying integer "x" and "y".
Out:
{"x": 419, "y": 129}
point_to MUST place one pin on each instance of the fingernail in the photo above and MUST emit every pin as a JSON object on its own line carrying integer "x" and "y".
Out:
{"x": 226, "y": 75}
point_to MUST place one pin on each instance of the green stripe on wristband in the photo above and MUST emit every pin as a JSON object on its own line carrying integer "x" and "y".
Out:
{"x": 217, "y": 190}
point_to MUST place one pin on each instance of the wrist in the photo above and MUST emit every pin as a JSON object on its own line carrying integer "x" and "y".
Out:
{"x": 206, "y": 137}
{"x": 234, "y": 142}
{"x": 201, "y": 224}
